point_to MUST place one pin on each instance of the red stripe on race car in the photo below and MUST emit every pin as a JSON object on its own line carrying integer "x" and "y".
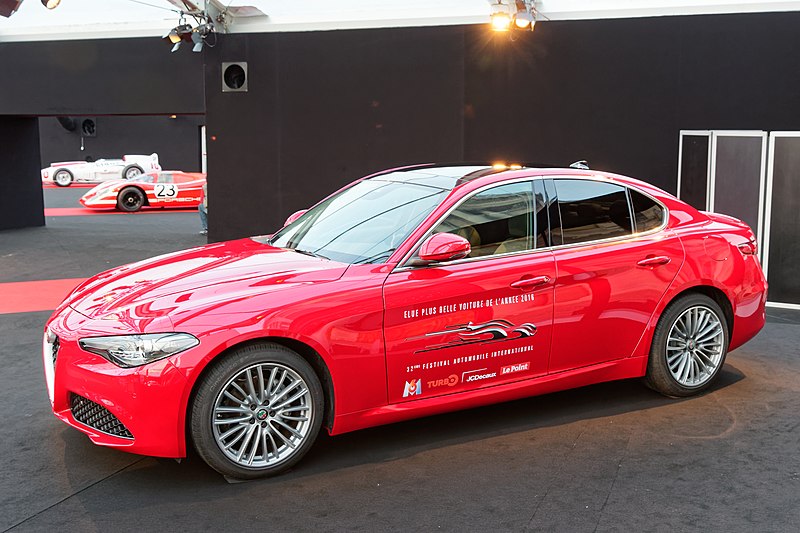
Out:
{"x": 29, "y": 296}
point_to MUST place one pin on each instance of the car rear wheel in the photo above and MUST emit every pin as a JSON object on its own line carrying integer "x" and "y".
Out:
{"x": 131, "y": 171}
{"x": 257, "y": 412}
{"x": 689, "y": 346}
{"x": 63, "y": 177}
{"x": 130, "y": 199}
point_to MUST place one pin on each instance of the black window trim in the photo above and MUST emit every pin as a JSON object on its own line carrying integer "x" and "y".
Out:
{"x": 403, "y": 265}
{"x": 619, "y": 238}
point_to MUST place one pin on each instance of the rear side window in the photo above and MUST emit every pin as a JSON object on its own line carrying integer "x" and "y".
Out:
{"x": 647, "y": 213}
{"x": 591, "y": 211}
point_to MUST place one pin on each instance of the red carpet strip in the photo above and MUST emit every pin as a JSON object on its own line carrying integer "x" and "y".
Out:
{"x": 80, "y": 211}
{"x": 29, "y": 296}
{"x": 51, "y": 185}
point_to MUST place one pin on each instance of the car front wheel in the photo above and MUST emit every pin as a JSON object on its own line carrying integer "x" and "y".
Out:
{"x": 689, "y": 346}
{"x": 130, "y": 199}
{"x": 257, "y": 412}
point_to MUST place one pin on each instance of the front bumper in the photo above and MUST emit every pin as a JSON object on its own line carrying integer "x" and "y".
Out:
{"x": 137, "y": 409}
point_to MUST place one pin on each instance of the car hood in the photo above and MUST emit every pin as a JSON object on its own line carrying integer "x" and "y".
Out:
{"x": 198, "y": 277}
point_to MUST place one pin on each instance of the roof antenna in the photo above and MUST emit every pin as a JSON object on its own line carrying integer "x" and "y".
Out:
{"x": 582, "y": 165}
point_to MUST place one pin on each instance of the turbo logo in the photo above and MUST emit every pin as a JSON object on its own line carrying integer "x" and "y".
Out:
{"x": 450, "y": 381}
{"x": 489, "y": 332}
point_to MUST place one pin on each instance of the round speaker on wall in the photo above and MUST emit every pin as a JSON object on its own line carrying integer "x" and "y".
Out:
{"x": 234, "y": 77}
{"x": 88, "y": 127}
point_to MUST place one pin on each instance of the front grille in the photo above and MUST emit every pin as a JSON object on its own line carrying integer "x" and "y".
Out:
{"x": 97, "y": 417}
{"x": 54, "y": 349}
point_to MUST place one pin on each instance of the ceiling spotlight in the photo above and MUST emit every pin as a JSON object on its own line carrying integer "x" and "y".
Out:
{"x": 197, "y": 39}
{"x": 197, "y": 35}
{"x": 181, "y": 32}
{"x": 525, "y": 20}
{"x": 512, "y": 15}
{"x": 51, "y": 4}
{"x": 501, "y": 17}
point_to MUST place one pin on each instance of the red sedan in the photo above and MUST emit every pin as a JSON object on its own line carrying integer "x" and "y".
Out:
{"x": 169, "y": 188}
{"x": 408, "y": 293}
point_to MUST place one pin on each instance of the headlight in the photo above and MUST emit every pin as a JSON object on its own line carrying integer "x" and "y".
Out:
{"x": 136, "y": 350}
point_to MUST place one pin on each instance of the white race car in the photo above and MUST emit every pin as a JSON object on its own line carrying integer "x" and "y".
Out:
{"x": 130, "y": 166}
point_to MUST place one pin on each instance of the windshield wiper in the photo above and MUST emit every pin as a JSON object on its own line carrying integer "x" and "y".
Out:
{"x": 309, "y": 253}
{"x": 374, "y": 258}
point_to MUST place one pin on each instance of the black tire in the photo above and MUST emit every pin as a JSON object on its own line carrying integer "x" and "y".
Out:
{"x": 131, "y": 172}
{"x": 669, "y": 380}
{"x": 208, "y": 433}
{"x": 130, "y": 199}
{"x": 63, "y": 177}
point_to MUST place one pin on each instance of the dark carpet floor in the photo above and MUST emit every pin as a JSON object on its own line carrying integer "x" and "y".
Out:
{"x": 611, "y": 457}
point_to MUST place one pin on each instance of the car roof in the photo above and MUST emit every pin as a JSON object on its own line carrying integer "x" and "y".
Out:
{"x": 453, "y": 176}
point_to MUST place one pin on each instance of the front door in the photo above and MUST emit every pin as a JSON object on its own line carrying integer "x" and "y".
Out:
{"x": 480, "y": 321}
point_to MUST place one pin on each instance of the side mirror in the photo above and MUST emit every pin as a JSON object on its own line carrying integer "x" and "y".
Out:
{"x": 294, "y": 216}
{"x": 444, "y": 247}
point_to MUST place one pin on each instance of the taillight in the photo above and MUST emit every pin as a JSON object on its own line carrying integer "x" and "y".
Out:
{"x": 748, "y": 248}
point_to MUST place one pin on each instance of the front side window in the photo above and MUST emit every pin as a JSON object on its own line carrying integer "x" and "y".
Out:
{"x": 591, "y": 211}
{"x": 496, "y": 221}
{"x": 364, "y": 223}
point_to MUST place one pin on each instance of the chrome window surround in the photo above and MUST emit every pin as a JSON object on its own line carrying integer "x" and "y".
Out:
{"x": 402, "y": 266}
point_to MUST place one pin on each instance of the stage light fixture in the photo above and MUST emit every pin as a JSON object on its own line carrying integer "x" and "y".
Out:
{"x": 501, "y": 17}
{"x": 525, "y": 20}
{"x": 509, "y": 15}
{"x": 178, "y": 34}
{"x": 51, "y": 4}
{"x": 184, "y": 32}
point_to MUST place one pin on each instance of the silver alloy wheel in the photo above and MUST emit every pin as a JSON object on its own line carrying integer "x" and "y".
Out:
{"x": 132, "y": 173}
{"x": 694, "y": 346}
{"x": 262, "y": 415}
{"x": 63, "y": 178}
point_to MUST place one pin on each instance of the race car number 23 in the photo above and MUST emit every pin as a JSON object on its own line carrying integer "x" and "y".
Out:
{"x": 166, "y": 190}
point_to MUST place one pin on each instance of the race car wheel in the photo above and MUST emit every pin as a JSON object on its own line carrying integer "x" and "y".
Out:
{"x": 689, "y": 347}
{"x": 130, "y": 199}
{"x": 257, "y": 411}
{"x": 63, "y": 177}
{"x": 131, "y": 171}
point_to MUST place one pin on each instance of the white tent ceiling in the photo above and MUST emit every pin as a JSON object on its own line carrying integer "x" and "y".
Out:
{"x": 81, "y": 19}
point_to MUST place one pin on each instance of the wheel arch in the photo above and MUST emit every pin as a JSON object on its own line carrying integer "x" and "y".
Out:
{"x": 62, "y": 169}
{"x": 305, "y": 351}
{"x": 699, "y": 286}
{"x": 144, "y": 193}
{"x": 713, "y": 292}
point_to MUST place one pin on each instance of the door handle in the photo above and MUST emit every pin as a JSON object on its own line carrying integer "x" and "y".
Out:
{"x": 654, "y": 261}
{"x": 527, "y": 283}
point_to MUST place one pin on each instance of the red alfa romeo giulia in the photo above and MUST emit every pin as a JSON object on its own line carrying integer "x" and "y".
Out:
{"x": 408, "y": 293}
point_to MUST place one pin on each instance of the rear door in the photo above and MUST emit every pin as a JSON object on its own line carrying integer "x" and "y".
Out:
{"x": 480, "y": 321}
{"x": 612, "y": 270}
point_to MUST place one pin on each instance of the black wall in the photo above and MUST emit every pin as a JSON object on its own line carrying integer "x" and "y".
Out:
{"x": 177, "y": 141}
{"x": 327, "y": 107}
{"x": 322, "y": 109}
{"x": 21, "y": 203}
{"x": 98, "y": 77}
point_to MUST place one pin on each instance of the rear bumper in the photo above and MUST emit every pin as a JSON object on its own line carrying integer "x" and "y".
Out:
{"x": 749, "y": 306}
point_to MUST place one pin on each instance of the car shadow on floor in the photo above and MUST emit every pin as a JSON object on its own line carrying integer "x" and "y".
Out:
{"x": 396, "y": 441}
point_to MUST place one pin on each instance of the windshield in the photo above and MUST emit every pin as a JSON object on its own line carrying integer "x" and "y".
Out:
{"x": 364, "y": 223}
